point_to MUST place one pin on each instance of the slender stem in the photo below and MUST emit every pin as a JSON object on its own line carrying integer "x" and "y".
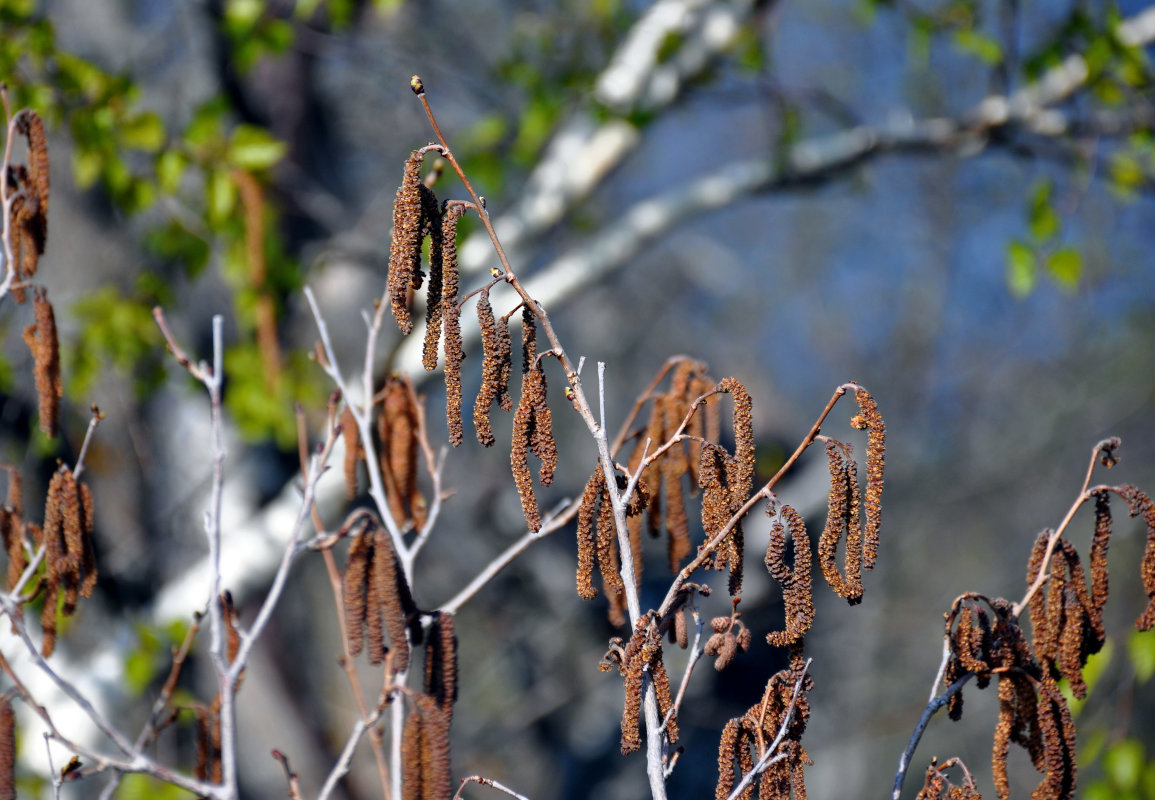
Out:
{"x": 487, "y": 782}
{"x": 931, "y": 709}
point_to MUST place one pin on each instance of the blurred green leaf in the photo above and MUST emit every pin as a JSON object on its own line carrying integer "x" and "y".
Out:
{"x": 86, "y": 166}
{"x": 1123, "y": 762}
{"x": 253, "y": 148}
{"x": 1141, "y": 651}
{"x": 144, "y": 131}
{"x": 220, "y": 195}
{"x": 1066, "y": 267}
{"x": 1021, "y": 273}
{"x": 242, "y": 14}
{"x": 1044, "y": 220}
{"x": 983, "y": 47}
{"x": 1126, "y": 172}
{"x": 170, "y": 168}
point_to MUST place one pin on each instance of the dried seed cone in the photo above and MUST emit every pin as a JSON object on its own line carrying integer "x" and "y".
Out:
{"x": 405, "y": 249}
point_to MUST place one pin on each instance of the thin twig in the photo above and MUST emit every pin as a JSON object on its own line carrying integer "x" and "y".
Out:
{"x": 487, "y": 782}
{"x": 931, "y": 709}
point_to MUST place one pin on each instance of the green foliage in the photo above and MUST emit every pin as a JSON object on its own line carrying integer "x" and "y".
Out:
{"x": 261, "y": 411}
{"x": 152, "y": 657}
{"x": 1025, "y": 259}
{"x": 119, "y": 332}
{"x": 1141, "y": 651}
{"x": 142, "y": 787}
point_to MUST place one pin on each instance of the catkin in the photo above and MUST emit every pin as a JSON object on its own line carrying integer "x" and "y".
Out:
{"x": 796, "y": 587}
{"x": 353, "y": 452}
{"x": 435, "y": 764}
{"x": 405, "y": 249}
{"x": 1140, "y": 505}
{"x": 441, "y": 662}
{"x": 451, "y": 313}
{"x": 411, "y": 756}
{"x": 42, "y": 341}
{"x": 870, "y": 419}
{"x": 7, "y": 750}
{"x": 519, "y": 461}
{"x": 490, "y": 371}
{"x": 587, "y": 535}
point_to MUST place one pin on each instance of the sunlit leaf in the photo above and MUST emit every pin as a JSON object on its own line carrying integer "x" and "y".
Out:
{"x": 1141, "y": 651}
{"x": 143, "y": 132}
{"x": 985, "y": 48}
{"x": 1021, "y": 273}
{"x": 1066, "y": 266}
{"x": 1123, "y": 762}
{"x": 254, "y": 148}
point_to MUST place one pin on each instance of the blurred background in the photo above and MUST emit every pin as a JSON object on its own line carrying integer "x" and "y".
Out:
{"x": 949, "y": 201}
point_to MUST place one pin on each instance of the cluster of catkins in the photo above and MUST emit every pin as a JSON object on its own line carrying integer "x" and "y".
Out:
{"x": 1067, "y": 628}
{"x": 66, "y": 535}
{"x": 28, "y": 190}
{"x": 417, "y": 215}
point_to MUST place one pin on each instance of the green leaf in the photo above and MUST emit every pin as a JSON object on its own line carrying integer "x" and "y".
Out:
{"x": 983, "y": 47}
{"x": 1123, "y": 762}
{"x": 86, "y": 167}
{"x": 170, "y": 168}
{"x": 241, "y": 15}
{"x": 1045, "y": 222}
{"x": 220, "y": 195}
{"x": 254, "y": 148}
{"x": 1126, "y": 172}
{"x": 143, "y": 132}
{"x": 1021, "y": 274}
{"x": 1066, "y": 267}
{"x": 1141, "y": 651}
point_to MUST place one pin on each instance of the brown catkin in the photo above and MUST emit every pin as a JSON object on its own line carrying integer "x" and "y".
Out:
{"x": 1140, "y": 504}
{"x": 837, "y": 514}
{"x": 441, "y": 662}
{"x": 662, "y": 691}
{"x": 411, "y": 756}
{"x": 1100, "y": 542}
{"x": 355, "y": 585}
{"x": 42, "y": 341}
{"x": 435, "y": 756}
{"x": 673, "y": 466}
{"x": 1041, "y": 633}
{"x": 7, "y": 750}
{"x": 871, "y": 419}
{"x": 1003, "y": 737}
{"x": 519, "y": 460}
{"x": 607, "y": 543}
{"x": 541, "y": 442}
{"x": 353, "y": 454}
{"x": 504, "y": 358}
{"x": 451, "y": 312}
{"x": 405, "y": 249}
{"x": 727, "y": 750}
{"x": 587, "y": 535}
{"x": 490, "y": 371}
{"x": 397, "y": 430}
{"x": 32, "y": 126}
{"x": 387, "y": 584}
{"x": 796, "y": 587}
{"x": 640, "y": 650}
